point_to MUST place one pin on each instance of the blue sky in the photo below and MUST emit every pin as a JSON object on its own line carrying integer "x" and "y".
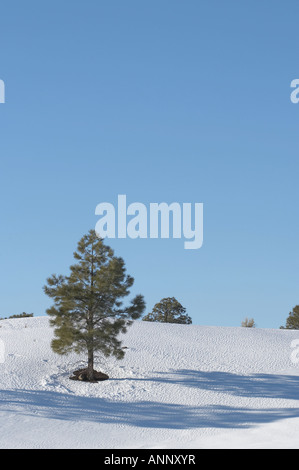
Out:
{"x": 162, "y": 101}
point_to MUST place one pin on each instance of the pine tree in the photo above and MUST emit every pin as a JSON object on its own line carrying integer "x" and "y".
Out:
{"x": 168, "y": 310}
{"x": 88, "y": 312}
{"x": 292, "y": 322}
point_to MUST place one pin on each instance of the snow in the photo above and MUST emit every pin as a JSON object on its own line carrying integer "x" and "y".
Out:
{"x": 179, "y": 386}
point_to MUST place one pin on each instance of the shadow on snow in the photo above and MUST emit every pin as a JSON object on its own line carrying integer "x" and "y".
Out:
{"x": 252, "y": 386}
{"x": 151, "y": 414}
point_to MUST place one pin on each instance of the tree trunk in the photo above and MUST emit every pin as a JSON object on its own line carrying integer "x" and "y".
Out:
{"x": 90, "y": 369}
{"x": 90, "y": 374}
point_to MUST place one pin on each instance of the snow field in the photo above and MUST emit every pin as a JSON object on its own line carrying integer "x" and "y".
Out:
{"x": 179, "y": 386}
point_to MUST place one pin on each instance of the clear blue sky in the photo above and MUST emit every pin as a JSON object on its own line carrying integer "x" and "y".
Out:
{"x": 162, "y": 101}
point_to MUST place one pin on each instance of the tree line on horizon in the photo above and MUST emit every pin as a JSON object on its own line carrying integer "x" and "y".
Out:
{"x": 18, "y": 315}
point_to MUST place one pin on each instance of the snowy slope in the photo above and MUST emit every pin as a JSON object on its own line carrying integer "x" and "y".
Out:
{"x": 179, "y": 386}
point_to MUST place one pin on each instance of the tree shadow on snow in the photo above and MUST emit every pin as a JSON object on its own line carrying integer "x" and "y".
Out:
{"x": 251, "y": 386}
{"x": 146, "y": 414}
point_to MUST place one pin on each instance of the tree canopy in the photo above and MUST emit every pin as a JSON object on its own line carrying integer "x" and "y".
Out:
{"x": 168, "y": 310}
{"x": 88, "y": 312}
{"x": 292, "y": 322}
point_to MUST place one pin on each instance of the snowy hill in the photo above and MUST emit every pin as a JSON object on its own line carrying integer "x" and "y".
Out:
{"x": 179, "y": 386}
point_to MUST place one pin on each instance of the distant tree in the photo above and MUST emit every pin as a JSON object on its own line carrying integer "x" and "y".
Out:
{"x": 168, "y": 310}
{"x": 22, "y": 315}
{"x": 19, "y": 315}
{"x": 248, "y": 323}
{"x": 88, "y": 312}
{"x": 292, "y": 322}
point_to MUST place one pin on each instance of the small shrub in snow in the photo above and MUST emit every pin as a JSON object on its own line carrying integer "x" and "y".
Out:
{"x": 248, "y": 323}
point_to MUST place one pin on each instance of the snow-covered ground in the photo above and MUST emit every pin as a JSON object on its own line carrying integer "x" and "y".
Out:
{"x": 179, "y": 386}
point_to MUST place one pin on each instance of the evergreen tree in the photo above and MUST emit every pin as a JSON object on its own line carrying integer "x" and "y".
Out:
{"x": 292, "y": 322}
{"x": 168, "y": 310}
{"x": 88, "y": 312}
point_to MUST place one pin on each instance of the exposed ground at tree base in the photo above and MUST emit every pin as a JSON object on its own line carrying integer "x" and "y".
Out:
{"x": 82, "y": 375}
